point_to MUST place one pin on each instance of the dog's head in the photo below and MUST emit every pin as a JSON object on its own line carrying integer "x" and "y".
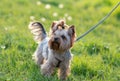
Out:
{"x": 62, "y": 36}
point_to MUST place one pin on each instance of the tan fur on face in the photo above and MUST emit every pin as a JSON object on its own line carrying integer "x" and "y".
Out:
{"x": 63, "y": 42}
{"x": 59, "y": 29}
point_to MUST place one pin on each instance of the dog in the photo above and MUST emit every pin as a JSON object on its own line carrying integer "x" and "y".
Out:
{"x": 53, "y": 51}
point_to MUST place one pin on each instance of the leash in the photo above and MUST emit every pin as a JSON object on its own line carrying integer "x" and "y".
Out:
{"x": 100, "y": 22}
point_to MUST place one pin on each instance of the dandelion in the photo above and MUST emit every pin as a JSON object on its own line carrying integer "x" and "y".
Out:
{"x": 32, "y": 18}
{"x": 43, "y": 19}
{"x": 66, "y": 15}
{"x": 6, "y": 29}
{"x": 38, "y": 3}
{"x": 69, "y": 18}
{"x": 3, "y": 46}
{"x": 55, "y": 14}
{"x": 60, "y": 5}
{"x": 47, "y": 6}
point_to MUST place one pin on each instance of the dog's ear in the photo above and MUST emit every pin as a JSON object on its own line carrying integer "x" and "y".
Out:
{"x": 72, "y": 34}
{"x": 53, "y": 27}
{"x": 53, "y": 24}
{"x": 71, "y": 31}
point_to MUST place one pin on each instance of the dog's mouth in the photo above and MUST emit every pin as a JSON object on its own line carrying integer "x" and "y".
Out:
{"x": 54, "y": 44}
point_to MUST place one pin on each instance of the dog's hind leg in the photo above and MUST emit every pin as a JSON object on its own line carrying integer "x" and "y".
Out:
{"x": 38, "y": 57}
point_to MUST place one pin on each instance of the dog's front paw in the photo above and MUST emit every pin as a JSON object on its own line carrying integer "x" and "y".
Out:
{"x": 46, "y": 69}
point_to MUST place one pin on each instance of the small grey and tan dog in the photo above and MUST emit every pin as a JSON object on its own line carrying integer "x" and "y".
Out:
{"x": 53, "y": 50}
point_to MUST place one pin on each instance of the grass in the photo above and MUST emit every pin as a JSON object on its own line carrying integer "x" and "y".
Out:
{"x": 96, "y": 56}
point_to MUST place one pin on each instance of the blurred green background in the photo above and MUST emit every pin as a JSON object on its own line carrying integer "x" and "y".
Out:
{"x": 96, "y": 56}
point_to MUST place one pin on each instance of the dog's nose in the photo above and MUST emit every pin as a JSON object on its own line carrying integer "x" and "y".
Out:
{"x": 56, "y": 39}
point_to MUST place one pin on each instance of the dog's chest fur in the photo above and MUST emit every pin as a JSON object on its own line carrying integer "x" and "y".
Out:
{"x": 47, "y": 52}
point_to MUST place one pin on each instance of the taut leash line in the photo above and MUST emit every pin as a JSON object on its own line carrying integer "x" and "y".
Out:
{"x": 100, "y": 22}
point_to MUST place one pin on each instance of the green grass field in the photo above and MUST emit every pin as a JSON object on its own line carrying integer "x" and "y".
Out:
{"x": 96, "y": 56}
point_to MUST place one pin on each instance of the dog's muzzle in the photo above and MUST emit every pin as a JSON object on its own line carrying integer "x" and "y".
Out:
{"x": 55, "y": 43}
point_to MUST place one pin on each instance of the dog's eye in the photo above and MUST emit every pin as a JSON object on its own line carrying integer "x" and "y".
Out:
{"x": 63, "y": 37}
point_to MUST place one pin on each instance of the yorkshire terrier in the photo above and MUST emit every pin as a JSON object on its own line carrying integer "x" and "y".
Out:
{"x": 53, "y": 51}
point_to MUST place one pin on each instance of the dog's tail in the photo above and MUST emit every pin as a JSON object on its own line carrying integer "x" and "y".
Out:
{"x": 38, "y": 31}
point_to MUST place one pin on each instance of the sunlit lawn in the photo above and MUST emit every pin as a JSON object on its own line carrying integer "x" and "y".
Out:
{"x": 96, "y": 56}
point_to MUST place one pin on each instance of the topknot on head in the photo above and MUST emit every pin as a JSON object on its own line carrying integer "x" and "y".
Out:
{"x": 61, "y": 24}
